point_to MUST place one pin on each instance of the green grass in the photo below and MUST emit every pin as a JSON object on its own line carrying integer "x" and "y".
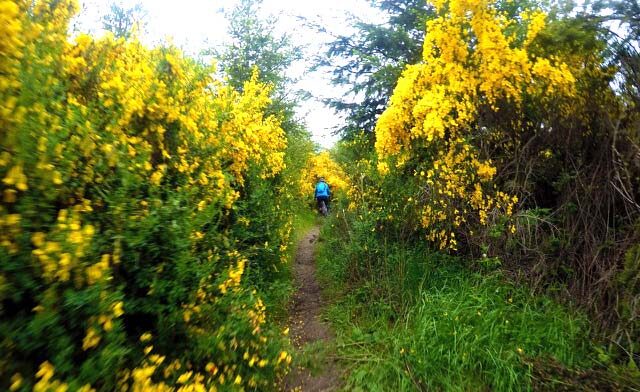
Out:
{"x": 278, "y": 296}
{"x": 409, "y": 319}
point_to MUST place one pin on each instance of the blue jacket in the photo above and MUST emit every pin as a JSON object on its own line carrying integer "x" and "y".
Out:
{"x": 322, "y": 189}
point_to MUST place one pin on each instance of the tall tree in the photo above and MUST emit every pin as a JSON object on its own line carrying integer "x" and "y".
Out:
{"x": 122, "y": 21}
{"x": 370, "y": 61}
{"x": 625, "y": 44}
{"x": 255, "y": 45}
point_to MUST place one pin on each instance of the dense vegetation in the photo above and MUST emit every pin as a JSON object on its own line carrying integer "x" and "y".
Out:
{"x": 500, "y": 178}
{"x": 484, "y": 234}
{"x": 146, "y": 207}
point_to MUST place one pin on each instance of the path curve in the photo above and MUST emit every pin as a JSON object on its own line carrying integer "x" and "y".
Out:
{"x": 306, "y": 325}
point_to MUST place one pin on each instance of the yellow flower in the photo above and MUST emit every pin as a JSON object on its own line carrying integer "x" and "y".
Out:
{"x": 383, "y": 168}
{"x": 211, "y": 368}
{"x": 91, "y": 339}
{"x": 156, "y": 177}
{"x": 9, "y": 196}
{"x": 107, "y": 323}
{"x": 16, "y": 177}
{"x": 46, "y": 371}
{"x": 86, "y": 388}
{"x": 57, "y": 178}
{"x": 485, "y": 171}
{"x": 184, "y": 377}
{"x": 282, "y": 356}
{"x": 117, "y": 309}
{"x": 16, "y": 382}
{"x": 38, "y": 239}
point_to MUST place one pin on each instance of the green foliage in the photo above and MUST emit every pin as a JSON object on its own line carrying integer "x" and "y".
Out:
{"x": 571, "y": 162}
{"x": 254, "y": 44}
{"x": 370, "y": 61}
{"x": 622, "y": 31}
{"x": 408, "y": 318}
{"x": 628, "y": 286}
{"x": 123, "y": 21}
{"x": 138, "y": 234}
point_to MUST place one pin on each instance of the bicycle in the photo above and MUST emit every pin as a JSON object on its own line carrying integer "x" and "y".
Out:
{"x": 323, "y": 208}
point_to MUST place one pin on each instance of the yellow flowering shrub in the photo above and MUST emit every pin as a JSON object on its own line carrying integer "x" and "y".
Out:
{"x": 322, "y": 165}
{"x": 125, "y": 176}
{"x": 474, "y": 65}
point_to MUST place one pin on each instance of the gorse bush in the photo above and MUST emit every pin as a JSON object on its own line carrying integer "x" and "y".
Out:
{"x": 147, "y": 202}
{"x": 322, "y": 165}
{"x": 135, "y": 192}
{"x": 515, "y": 136}
{"x": 474, "y": 61}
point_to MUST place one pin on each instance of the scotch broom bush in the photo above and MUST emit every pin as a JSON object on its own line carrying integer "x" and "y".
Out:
{"x": 512, "y": 144}
{"x": 322, "y": 165}
{"x": 126, "y": 173}
{"x": 473, "y": 62}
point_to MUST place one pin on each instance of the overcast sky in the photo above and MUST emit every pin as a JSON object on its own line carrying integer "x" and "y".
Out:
{"x": 197, "y": 24}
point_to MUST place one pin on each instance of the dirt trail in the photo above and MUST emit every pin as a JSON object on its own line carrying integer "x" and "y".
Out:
{"x": 306, "y": 325}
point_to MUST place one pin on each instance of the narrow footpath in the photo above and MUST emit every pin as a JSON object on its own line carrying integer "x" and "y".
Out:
{"x": 307, "y": 329}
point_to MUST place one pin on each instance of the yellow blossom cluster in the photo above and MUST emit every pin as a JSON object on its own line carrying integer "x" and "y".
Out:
{"x": 59, "y": 258}
{"x": 322, "y": 165}
{"x": 11, "y": 47}
{"x": 472, "y": 63}
{"x": 121, "y": 168}
{"x": 235, "y": 273}
{"x": 284, "y": 234}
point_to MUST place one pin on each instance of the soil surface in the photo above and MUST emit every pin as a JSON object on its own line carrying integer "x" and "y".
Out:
{"x": 306, "y": 325}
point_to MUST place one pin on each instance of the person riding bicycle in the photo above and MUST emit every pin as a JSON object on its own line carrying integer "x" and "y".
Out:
{"x": 322, "y": 193}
